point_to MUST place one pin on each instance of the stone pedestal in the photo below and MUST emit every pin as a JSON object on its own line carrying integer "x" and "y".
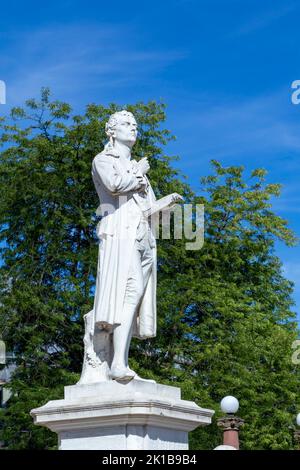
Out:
{"x": 122, "y": 416}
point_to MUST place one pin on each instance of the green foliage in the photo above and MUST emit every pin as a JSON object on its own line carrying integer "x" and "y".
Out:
{"x": 224, "y": 312}
{"x": 226, "y": 317}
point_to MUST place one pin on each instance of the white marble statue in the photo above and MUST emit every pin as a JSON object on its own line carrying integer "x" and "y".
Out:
{"x": 111, "y": 408}
{"x": 125, "y": 297}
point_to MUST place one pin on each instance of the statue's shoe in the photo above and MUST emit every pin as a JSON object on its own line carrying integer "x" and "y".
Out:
{"x": 137, "y": 377}
{"x": 121, "y": 373}
{"x": 131, "y": 372}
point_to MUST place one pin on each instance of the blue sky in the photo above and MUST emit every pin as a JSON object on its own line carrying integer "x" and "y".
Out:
{"x": 224, "y": 68}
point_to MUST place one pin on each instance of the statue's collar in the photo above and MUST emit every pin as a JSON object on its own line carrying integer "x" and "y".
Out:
{"x": 109, "y": 150}
{"x": 112, "y": 154}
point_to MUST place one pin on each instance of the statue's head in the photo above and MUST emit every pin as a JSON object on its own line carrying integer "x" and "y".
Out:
{"x": 122, "y": 127}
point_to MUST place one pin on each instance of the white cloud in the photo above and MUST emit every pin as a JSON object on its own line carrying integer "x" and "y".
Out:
{"x": 77, "y": 61}
{"x": 289, "y": 201}
{"x": 292, "y": 270}
{"x": 237, "y": 128}
{"x": 265, "y": 19}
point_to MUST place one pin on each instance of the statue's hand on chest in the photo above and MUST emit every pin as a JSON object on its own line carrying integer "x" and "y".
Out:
{"x": 136, "y": 169}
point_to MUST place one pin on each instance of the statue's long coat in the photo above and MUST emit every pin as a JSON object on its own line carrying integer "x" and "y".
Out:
{"x": 121, "y": 209}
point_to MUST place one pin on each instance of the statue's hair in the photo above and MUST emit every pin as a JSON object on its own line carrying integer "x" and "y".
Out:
{"x": 113, "y": 121}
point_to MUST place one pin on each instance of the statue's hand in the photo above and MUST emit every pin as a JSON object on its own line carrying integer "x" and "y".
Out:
{"x": 144, "y": 165}
{"x": 176, "y": 197}
{"x": 142, "y": 183}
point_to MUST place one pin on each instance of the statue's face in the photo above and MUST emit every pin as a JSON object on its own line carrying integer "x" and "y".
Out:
{"x": 126, "y": 130}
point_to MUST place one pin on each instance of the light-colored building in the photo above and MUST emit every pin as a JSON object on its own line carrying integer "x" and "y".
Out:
{"x": 5, "y": 375}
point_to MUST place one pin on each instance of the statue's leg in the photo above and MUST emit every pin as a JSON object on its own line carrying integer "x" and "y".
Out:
{"x": 122, "y": 333}
{"x": 120, "y": 339}
{"x": 146, "y": 264}
{"x": 128, "y": 346}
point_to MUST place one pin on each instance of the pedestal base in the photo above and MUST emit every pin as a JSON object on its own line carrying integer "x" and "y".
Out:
{"x": 118, "y": 416}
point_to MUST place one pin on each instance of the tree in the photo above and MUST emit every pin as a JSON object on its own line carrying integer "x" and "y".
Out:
{"x": 225, "y": 319}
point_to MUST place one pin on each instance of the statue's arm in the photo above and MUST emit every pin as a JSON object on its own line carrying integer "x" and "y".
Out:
{"x": 116, "y": 182}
